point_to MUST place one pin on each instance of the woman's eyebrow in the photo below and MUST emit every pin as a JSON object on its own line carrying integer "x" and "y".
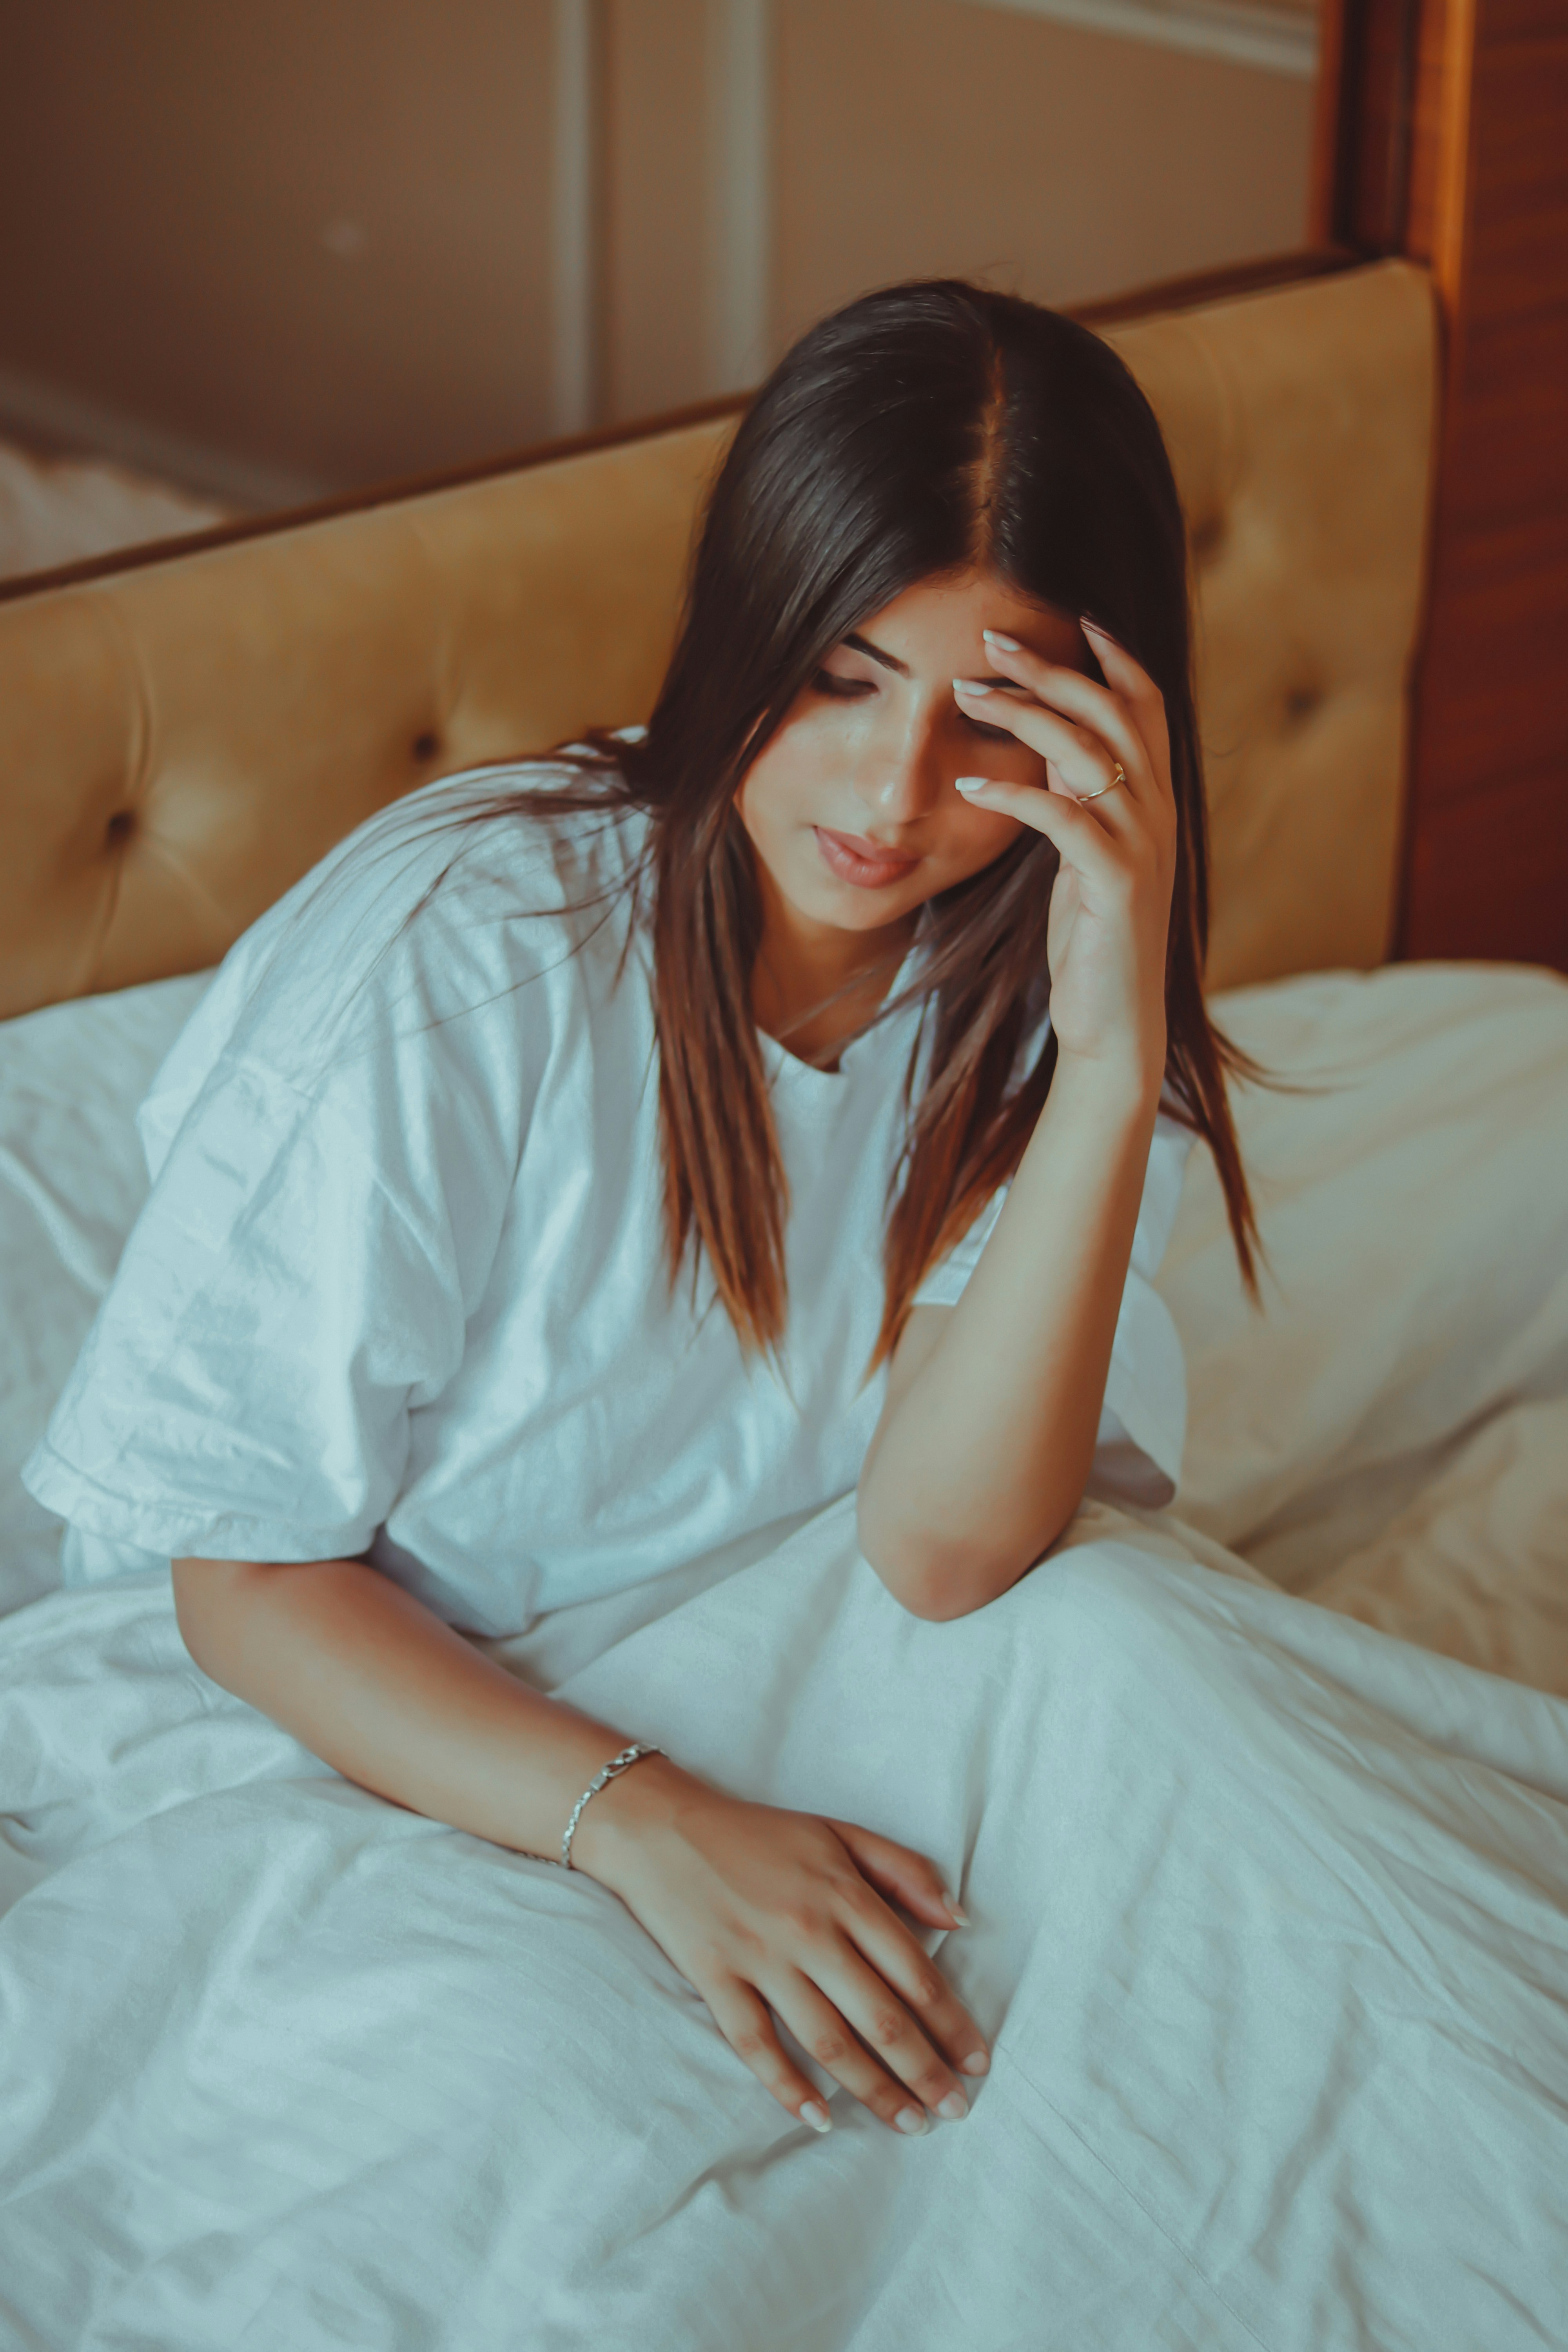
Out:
{"x": 859, "y": 645}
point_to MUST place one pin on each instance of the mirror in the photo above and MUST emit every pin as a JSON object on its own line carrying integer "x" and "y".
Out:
{"x": 259, "y": 256}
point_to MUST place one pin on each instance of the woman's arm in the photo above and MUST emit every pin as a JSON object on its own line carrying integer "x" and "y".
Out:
{"x": 988, "y": 1426}
{"x": 378, "y": 1687}
{"x": 766, "y": 1913}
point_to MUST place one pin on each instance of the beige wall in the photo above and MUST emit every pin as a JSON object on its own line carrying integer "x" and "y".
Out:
{"x": 289, "y": 243}
{"x": 305, "y": 233}
{"x": 655, "y": 197}
{"x": 922, "y": 137}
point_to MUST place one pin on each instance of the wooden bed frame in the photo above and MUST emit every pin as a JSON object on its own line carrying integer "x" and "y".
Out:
{"x": 1443, "y": 135}
{"x": 1381, "y": 593}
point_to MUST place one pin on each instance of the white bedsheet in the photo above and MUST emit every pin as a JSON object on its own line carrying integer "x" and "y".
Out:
{"x": 1392, "y": 1436}
{"x": 1270, "y": 1909}
{"x": 1269, "y": 1926}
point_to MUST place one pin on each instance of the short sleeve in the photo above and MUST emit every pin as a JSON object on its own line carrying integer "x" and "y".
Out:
{"x": 1142, "y": 1425}
{"x": 320, "y": 1227}
{"x": 243, "y": 1393}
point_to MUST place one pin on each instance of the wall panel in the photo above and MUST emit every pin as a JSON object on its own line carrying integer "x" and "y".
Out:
{"x": 922, "y": 136}
{"x": 310, "y": 234}
{"x": 655, "y": 176}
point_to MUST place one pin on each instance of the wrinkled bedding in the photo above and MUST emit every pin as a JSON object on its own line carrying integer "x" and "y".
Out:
{"x": 1269, "y": 1896}
{"x": 1391, "y": 1436}
{"x": 1268, "y": 1928}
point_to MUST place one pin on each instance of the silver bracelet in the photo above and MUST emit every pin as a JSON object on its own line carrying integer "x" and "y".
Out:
{"x": 616, "y": 1765}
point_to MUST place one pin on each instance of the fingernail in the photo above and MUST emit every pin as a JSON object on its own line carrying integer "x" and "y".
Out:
{"x": 913, "y": 2120}
{"x": 1093, "y": 629}
{"x": 1008, "y": 644}
{"x": 970, "y": 685}
{"x": 955, "y": 1911}
{"x": 970, "y": 784}
{"x": 815, "y": 2113}
{"x": 977, "y": 2062}
{"x": 955, "y": 2106}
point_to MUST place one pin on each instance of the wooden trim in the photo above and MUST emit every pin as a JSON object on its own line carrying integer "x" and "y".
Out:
{"x": 1330, "y": 123}
{"x": 1365, "y": 134}
{"x": 1450, "y": 140}
{"x": 1219, "y": 285}
{"x": 1486, "y": 844}
{"x": 1401, "y": 127}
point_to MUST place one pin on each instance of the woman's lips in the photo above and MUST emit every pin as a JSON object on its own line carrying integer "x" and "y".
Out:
{"x": 853, "y": 860}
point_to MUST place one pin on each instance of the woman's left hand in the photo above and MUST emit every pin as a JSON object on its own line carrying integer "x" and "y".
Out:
{"x": 1111, "y": 904}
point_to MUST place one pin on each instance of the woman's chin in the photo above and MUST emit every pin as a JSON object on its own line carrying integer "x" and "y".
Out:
{"x": 841, "y": 906}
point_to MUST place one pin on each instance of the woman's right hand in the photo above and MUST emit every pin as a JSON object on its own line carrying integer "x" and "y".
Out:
{"x": 774, "y": 1915}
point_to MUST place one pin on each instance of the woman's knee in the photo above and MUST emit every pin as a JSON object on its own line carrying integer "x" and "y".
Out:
{"x": 1101, "y": 1609}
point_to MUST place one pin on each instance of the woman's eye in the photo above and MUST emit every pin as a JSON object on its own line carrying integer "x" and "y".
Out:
{"x": 843, "y": 690}
{"x": 997, "y": 734}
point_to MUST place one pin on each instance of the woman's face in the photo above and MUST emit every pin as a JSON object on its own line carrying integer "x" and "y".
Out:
{"x": 851, "y": 808}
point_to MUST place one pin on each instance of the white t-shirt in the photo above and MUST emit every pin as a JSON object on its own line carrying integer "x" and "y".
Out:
{"x": 399, "y": 1288}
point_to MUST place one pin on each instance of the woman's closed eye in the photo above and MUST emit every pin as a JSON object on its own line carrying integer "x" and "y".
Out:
{"x": 856, "y": 689}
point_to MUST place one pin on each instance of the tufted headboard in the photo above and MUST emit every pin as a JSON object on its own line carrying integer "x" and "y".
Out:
{"x": 181, "y": 740}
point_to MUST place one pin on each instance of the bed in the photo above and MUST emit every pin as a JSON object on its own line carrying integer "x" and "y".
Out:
{"x": 305, "y": 2070}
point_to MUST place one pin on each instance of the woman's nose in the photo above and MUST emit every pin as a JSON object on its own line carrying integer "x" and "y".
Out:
{"x": 902, "y": 776}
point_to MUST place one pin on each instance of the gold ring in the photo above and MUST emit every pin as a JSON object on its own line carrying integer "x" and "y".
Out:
{"x": 1119, "y": 778}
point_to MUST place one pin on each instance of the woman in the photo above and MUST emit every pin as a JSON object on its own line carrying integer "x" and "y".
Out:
{"x": 581, "y": 1170}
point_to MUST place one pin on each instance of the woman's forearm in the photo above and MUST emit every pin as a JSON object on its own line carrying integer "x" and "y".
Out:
{"x": 760, "y": 1908}
{"x": 378, "y": 1687}
{"x": 981, "y": 1457}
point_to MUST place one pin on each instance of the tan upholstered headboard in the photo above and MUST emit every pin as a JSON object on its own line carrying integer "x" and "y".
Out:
{"x": 179, "y": 742}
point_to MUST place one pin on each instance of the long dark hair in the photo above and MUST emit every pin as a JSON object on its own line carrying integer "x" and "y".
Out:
{"x": 924, "y": 430}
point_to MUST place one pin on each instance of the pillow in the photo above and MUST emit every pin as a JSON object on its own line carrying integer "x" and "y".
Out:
{"x": 71, "y": 1181}
{"x": 1414, "y": 1212}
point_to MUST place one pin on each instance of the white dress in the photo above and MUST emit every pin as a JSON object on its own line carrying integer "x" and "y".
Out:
{"x": 400, "y": 1286}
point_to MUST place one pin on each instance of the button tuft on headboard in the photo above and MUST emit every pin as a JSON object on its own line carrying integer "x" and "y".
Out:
{"x": 1207, "y": 537}
{"x": 119, "y": 828}
{"x": 427, "y": 745}
{"x": 1302, "y": 702}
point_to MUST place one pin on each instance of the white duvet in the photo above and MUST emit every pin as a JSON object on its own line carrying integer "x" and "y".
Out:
{"x": 1270, "y": 1906}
